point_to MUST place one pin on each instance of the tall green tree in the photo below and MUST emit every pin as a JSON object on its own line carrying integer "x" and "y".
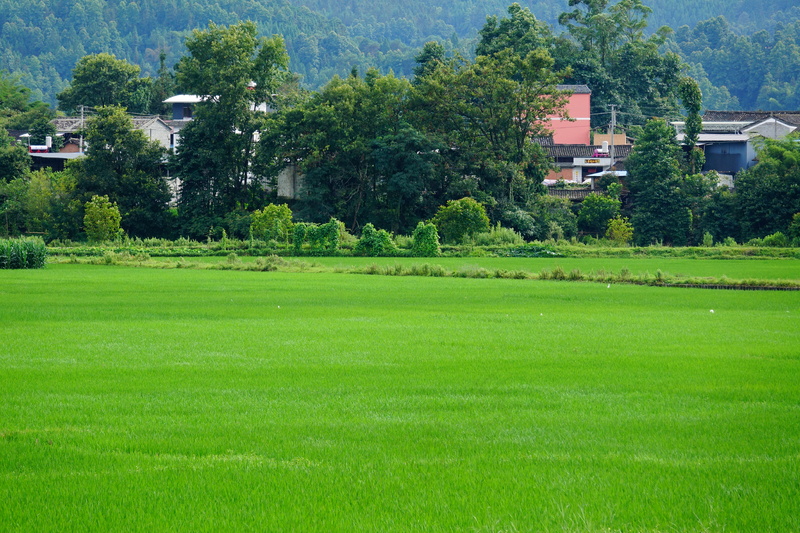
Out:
{"x": 123, "y": 164}
{"x": 103, "y": 80}
{"x": 607, "y": 50}
{"x": 14, "y": 160}
{"x": 660, "y": 210}
{"x": 520, "y": 32}
{"x": 361, "y": 160}
{"x": 692, "y": 99}
{"x": 488, "y": 111}
{"x": 234, "y": 71}
{"x": 768, "y": 194}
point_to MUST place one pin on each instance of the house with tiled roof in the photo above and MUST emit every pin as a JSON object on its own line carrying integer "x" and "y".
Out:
{"x": 729, "y": 138}
{"x": 153, "y": 127}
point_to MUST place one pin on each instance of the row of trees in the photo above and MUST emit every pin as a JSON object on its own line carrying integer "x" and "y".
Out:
{"x": 670, "y": 204}
{"x": 379, "y": 149}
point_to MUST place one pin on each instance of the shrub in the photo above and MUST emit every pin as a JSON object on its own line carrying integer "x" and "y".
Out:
{"x": 520, "y": 221}
{"x": 425, "y": 241}
{"x": 708, "y": 240}
{"x": 102, "y": 219}
{"x": 546, "y": 209}
{"x": 619, "y": 230}
{"x": 274, "y": 222}
{"x": 554, "y": 231}
{"x": 374, "y": 243}
{"x": 321, "y": 238}
{"x": 776, "y": 240}
{"x": 461, "y": 218}
{"x": 22, "y": 253}
{"x": 403, "y": 241}
{"x": 498, "y": 235}
{"x": 596, "y": 210}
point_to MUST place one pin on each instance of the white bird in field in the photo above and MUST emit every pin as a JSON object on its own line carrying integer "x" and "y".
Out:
{"x": 712, "y": 311}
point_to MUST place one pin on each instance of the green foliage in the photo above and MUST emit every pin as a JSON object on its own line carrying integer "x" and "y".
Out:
{"x": 553, "y": 218}
{"x": 519, "y": 221}
{"x": 692, "y": 100}
{"x": 498, "y": 235}
{"x": 619, "y": 230}
{"x": 595, "y": 212}
{"x": 719, "y": 51}
{"x": 768, "y": 195}
{"x": 794, "y": 229}
{"x": 375, "y": 243}
{"x": 614, "y": 190}
{"x": 321, "y": 238}
{"x": 22, "y": 253}
{"x": 361, "y": 162}
{"x": 776, "y": 240}
{"x": 12, "y": 206}
{"x": 14, "y": 160}
{"x": 520, "y": 32}
{"x": 102, "y": 219}
{"x": 660, "y": 208}
{"x": 426, "y": 241}
{"x": 103, "y": 80}
{"x": 486, "y": 111}
{"x": 608, "y": 51}
{"x": 123, "y": 164}
{"x": 461, "y": 218}
{"x": 708, "y": 239}
{"x": 274, "y": 222}
{"x": 607, "y": 180}
{"x": 237, "y": 71}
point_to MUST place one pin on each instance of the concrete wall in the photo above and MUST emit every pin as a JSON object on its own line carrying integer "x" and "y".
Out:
{"x": 578, "y": 130}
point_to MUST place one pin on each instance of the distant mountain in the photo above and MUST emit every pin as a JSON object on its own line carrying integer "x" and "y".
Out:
{"x": 41, "y": 40}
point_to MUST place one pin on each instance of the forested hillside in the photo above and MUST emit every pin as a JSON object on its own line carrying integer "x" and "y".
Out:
{"x": 746, "y": 60}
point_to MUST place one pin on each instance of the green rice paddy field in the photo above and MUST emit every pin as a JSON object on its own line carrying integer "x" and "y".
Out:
{"x": 136, "y": 399}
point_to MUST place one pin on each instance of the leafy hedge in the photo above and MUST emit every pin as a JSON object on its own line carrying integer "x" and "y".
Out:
{"x": 22, "y": 253}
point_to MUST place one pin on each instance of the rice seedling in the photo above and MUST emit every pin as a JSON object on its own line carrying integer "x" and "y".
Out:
{"x": 203, "y": 399}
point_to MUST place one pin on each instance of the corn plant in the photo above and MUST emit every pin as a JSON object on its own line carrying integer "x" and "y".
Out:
{"x": 22, "y": 253}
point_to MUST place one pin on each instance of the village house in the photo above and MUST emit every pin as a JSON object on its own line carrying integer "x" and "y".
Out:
{"x": 729, "y": 139}
{"x": 579, "y": 154}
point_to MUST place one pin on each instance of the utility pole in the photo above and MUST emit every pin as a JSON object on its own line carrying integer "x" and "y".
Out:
{"x": 80, "y": 149}
{"x": 613, "y": 127}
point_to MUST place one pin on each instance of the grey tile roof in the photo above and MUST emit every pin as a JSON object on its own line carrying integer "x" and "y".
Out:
{"x": 73, "y": 124}
{"x": 581, "y": 150}
{"x": 790, "y": 117}
{"x": 576, "y": 89}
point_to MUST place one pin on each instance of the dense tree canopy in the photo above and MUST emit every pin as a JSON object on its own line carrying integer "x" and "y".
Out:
{"x": 660, "y": 211}
{"x": 235, "y": 71}
{"x": 376, "y": 148}
{"x": 769, "y": 193}
{"x": 123, "y": 164}
{"x": 102, "y": 80}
